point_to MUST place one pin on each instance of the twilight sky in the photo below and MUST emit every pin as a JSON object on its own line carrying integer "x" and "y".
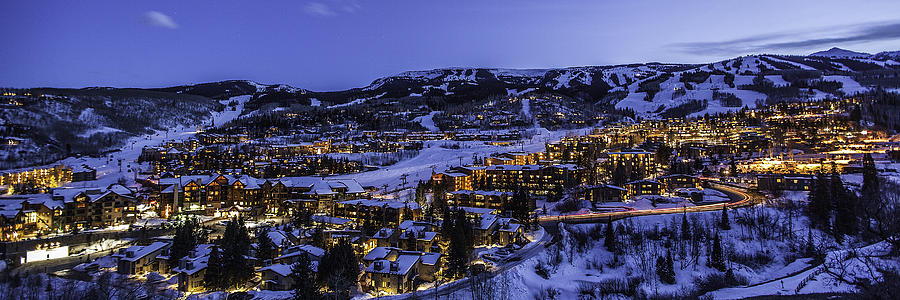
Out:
{"x": 339, "y": 44}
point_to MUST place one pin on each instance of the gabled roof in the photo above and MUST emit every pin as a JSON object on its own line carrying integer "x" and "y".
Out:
{"x": 379, "y": 253}
{"x": 403, "y": 264}
{"x": 643, "y": 181}
{"x": 141, "y": 251}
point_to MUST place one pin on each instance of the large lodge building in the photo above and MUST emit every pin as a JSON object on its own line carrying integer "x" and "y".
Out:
{"x": 66, "y": 209}
{"x": 222, "y": 195}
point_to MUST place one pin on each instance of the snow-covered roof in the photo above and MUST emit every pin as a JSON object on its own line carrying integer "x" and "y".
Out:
{"x": 476, "y": 210}
{"x": 401, "y": 266}
{"x": 281, "y": 269}
{"x": 384, "y": 233}
{"x": 379, "y": 253}
{"x": 141, "y": 251}
{"x": 329, "y": 220}
{"x": 352, "y": 186}
{"x": 487, "y": 220}
{"x": 278, "y": 237}
{"x": 481, "y": 193}
{"x": 9, "y": 208}
{"x": 381, "y": 203}
{"x": 45, "y": 199}
{"x": 509, "y": 225}
{"x": 642, "y": 181}
{"x": 425, "y": 235}
{"x": 120, "y": 189}
{"x": 313, "y": 251}
{"x": 321, "y": 188}
{"x": 81, "y": 168}
{"x": 430, "y": 258}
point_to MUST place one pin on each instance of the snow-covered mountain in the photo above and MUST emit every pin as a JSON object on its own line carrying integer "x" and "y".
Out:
{"x": 94, "y": 116}
{"x": 50, "y": 123}
{"x": 836, "y": 52}
{"x": 650, "y": 89}
{"x": 886, "y": 55}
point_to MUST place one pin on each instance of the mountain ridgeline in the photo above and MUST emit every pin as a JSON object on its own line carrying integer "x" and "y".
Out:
{"x": 47, "y": 124}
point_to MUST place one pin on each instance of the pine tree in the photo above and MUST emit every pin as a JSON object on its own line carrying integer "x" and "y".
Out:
{"x": 870, "y": 193}
{"x": 685, "y": 228}
{"x": 661, "y": 269}
{"x": 716, "y": 257}
{"x": 521, "y": 210}
{"x": 665, "y": 269}
{"x": 461, "y": 244}
{"x": 339, "y": 269}
{"x": 670, "y": 268}
{"x": 870, "y": 176}
{"x": 609, "y": 240}
{"x": 819, "y": 207}
{"x": 725, "y": 223}
{"x": 186, "y": 239}
{"x": 304, "y": 279}
{"x": 265, "y": 247}
{"x": 845, "y": 221}
{"x": 235, "y": 244}
{"x": 215, "y": 271}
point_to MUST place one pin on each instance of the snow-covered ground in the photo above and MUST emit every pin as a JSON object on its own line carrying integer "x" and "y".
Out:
{"x": 357, "y": 101}
{"x": 761, "y": 258}
{"x": 849, "y": 87}
{"x": 427, "y": 121}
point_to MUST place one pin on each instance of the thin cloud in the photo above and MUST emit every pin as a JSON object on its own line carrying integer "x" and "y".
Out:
{"x": 319, "y": 9}
{"x": 331, "y": 8}
{"x": 808, "y": 39}
{"x": 159, "y": 19}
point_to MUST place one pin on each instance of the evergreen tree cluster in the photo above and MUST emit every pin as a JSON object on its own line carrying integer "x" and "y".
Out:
{"x": 665, "y": 269}
{"x": 188, "y": 235}
{"x": 339, "y": 270}
{"x": 458, "y": 231}
{"x": 305, "y": 279}
{"x": 832, "y": 208}
{"x": 228, "y": 266}
{"x": 519, "y": 208}
{"x": 265, "y": 247}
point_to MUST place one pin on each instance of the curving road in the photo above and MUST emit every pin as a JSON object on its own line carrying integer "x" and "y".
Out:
{"x": 739, "y": 198}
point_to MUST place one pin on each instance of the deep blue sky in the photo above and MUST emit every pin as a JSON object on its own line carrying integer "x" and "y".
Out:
{"x": 338, "y": 44}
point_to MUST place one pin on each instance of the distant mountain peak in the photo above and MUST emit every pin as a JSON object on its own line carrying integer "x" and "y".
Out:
{"x": 840, "y": 53}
